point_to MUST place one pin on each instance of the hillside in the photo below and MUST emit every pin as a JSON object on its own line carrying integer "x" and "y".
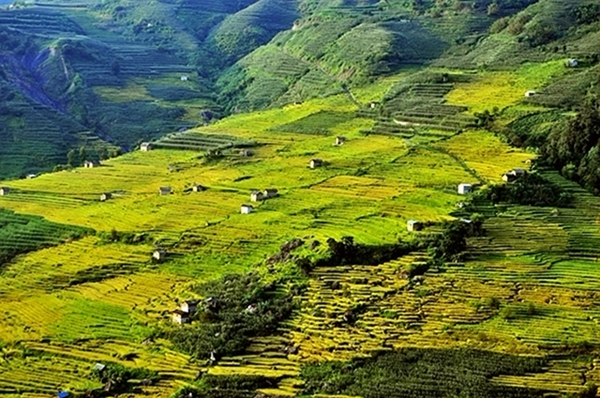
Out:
{"x": 398, "y": 255}
{"x": 106, "y": 75}
{"x": 516, "y": 308}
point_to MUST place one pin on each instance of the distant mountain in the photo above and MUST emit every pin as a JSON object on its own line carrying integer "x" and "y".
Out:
{"x": 105, "y": 75}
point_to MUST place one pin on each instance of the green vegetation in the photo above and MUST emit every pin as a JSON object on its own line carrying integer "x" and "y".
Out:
{"x": 21, "y": 234}
{"x": 423, "y": 373}
{"x": 237, "y": 308}
{"x": 117, "y": 378}
{"x": 233, "y": 386}
{"x": 316, "y": 123}
{"x": 575, "y": 150}
{"x": 321, "y": 289}
{"x": 531, "y": 189}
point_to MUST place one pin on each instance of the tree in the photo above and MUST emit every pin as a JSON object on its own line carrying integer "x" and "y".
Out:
{"x": 590, "y": 390}
{"x": 572, "y": 144}
{"x": 493, "y": 9}
{"x": 82, "y": 155}
{"x": 71, "y": 157}
{"x": 589, "y": 170}
{"x": 115, "y": 67}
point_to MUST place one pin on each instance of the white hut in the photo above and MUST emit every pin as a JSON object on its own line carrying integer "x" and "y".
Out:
{"x": 180, "y": 317}
{"x": 256, "y": 196}
{"x": 314, "y": 163}
{"x": 270, "y": 193}
{"x": 414, "y": 225}
{"x": 464, "y": 188}
{"x": 159, "y": 255}
{"x": 165, "y": 190}
{"x": 572, "y": 63}
{"x": 145, "y": 146}
{"x": 246, "y": 209}
{"x": 513, "y": 175}
{"x": 90, "y": 164}
{"x": 189, "y": 306}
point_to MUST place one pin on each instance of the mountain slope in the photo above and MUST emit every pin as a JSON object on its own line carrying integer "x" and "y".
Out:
{"x": 118, "y": 72}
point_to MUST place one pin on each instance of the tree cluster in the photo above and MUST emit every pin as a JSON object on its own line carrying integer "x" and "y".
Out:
{"x": 575, "y": 150}
{"x": 117, "y": 379}
{"x": 532, "y": 190}
{"x": 238, "y": 307}
{"x": 452, "y": 242}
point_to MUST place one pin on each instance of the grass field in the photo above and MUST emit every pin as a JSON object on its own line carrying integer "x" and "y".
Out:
{"x": 529, "y": 283}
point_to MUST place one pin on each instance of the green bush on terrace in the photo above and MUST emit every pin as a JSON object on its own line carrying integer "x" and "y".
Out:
{"x": 238, "y": 307}
{"x": 531, "y": 189}
{"x": 416, "y": 372}
{"x": 117, "y": 378}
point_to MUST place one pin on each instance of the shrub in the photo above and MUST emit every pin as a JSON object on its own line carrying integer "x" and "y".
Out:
{"x": 116, "y": 378}
{"x": 130, "y": 238}
{"x": 499, "y": 25}
{"x": 241, "y": 307}
{"x": 530, "y": 189}
{"x": 517, "y": 24}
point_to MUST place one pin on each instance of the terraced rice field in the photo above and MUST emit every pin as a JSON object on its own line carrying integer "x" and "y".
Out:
{"x": 530, "y": 282}
{"x": 195, "y": 141}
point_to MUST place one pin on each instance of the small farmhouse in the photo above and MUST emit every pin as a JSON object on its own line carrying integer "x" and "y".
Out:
{"x": 339, "y": 140}
{"x": 246, "y": 209}
{"x": 189, "y": 306}
{"x": 572, "y": 63}
{"x": 256, "y": 196}
{"x": 159, "y": 255}
{"x": 212, "y": 302}
{"x": 180, "y": 317}
{"x": 99, "y": 367}
{"x": 145, "y": 146}
{"x": 529, "y": 93}
{"x": 165, "y": 190}
{"x": 62, "y": 394}
{"x": 314, "y": 163}
{"x": 469, "y": 225}
{"x": 4, "y": 191}
{"x": 198, "y": 188}
{"x": 414, "y": 225}
{"x": 464, "y": 188}
{"x": 508, "y": 177}
{"x": 90, "y": 164}
{"x": 270, "y": 193}
{"x": 518, "y": 172}
{"x": 373, "y": 104}
{"x": 513, "y": 175}
{"x": 105, "y": 196}
{"x": 246, "y": 153}
{"x": 184, "y": 78}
